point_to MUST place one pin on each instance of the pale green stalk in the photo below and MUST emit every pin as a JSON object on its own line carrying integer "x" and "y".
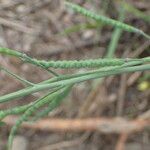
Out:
{"x": 54, "y": 103}
{"x": 115, "y": 36}
{"x": 14, "y": 111}
{"x": 16, "y": 76}
{"x": 73, "y": 80}
{"x": 39, "y": 103}
{"x": 24, "y": 57}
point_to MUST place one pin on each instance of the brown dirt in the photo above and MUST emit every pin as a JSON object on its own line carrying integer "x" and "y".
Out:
{"x": 34, "y": 27}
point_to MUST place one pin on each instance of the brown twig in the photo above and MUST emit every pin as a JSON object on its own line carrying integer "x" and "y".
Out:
{"x": 83, "y": 111}
{"x": 121, "y": 95}
{"x": 121, "y": 142}
{"x": 107, "y": 126}
{"x": 140, "y": 50}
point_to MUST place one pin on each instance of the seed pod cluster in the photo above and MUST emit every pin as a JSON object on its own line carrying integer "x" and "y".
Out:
{"x": 90, "y": 63}
{"x": 105, "y": 20}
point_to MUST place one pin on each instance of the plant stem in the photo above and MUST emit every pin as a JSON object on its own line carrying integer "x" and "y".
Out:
{"x": 73, "y": 80}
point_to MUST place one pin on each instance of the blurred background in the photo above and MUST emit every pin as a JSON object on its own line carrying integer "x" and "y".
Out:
{"x": 46, "y": 29}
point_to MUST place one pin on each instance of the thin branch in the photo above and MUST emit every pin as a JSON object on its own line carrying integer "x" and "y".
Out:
{"x": 103, "y": 125}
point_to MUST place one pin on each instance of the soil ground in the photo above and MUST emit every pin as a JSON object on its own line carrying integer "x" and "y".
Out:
{"x": 35, "y": 27}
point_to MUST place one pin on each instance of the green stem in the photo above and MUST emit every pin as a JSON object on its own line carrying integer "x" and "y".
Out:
{"x": 115, "y": 36}
{"x": 54, "y": 103}
{"x": 14, "y": 111}
{"x": 90, "y": 63}
{"x": 17, "y": 77}
{"x": 24, "y": 57}
{"x": 39, "y": 103}
{"x": 73, "y": 80}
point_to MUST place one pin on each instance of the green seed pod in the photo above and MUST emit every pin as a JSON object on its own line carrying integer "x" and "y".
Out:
{"x": 90, "y": 63}
{"x": 106, "y": 20}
